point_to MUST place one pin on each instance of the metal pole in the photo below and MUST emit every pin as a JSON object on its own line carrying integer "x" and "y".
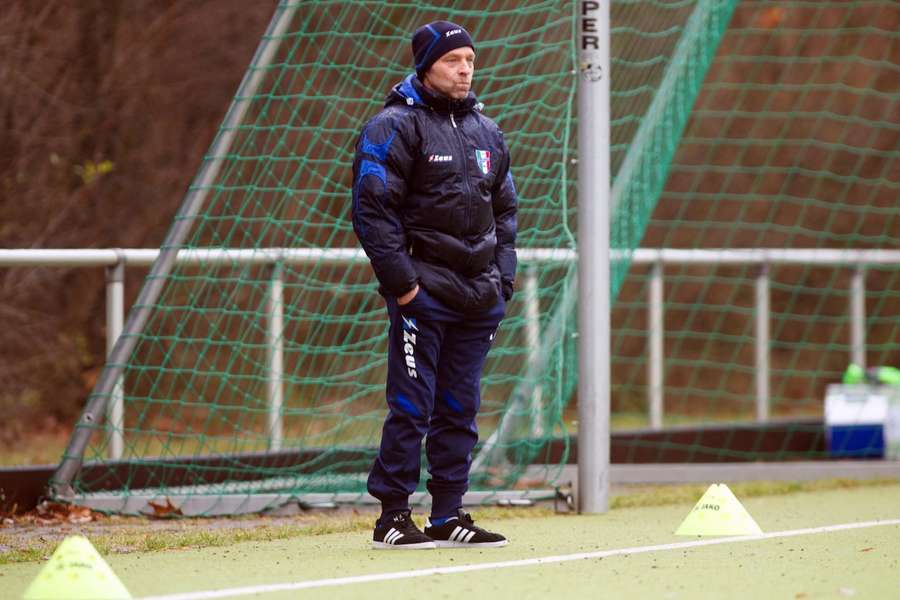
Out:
{"x": 593, "y": 256}
{"x": 115, "y": 313}
{"x": 355, "y": 256}
{"x": 655, "y": 363}
{"x": 858, "y": 317}
{"x": 762, "y": 344}
{"x": 60, "y": 483}
{"x": 275, "y": 356}
{"x": 533, "y": 339}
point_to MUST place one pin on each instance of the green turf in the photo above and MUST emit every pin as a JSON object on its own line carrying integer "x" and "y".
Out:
{"x": 861, "y": 563}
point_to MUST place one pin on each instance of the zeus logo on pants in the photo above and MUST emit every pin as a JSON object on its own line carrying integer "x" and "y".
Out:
{"x": 409, "y": 346}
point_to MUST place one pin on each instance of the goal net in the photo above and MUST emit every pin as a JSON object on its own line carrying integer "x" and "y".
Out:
{"x": 257, "y": 377}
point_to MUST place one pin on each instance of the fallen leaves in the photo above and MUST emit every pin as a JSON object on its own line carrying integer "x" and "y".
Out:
{"x": 56, "y": 512}
{"x": 164, "y": 511}
{"x": 53, "y": 513}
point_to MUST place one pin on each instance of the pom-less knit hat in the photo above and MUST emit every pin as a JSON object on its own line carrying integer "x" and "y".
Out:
{"x": 432, "y": 41}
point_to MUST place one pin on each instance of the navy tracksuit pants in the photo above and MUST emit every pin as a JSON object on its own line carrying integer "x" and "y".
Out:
{"x": 435, "y": 358}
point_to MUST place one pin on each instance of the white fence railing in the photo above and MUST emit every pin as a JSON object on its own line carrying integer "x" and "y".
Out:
{"x": 116, "y": 260}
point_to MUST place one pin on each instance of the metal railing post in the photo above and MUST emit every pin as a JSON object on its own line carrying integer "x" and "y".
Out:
{"x": 858, "y": 316}
{"x": 275, "y": 356}
{"x": 115, "y": 318}
{"x": 533, "y": 339}
{"x": 762, "y": 343}
{"x": 655, "y": 335}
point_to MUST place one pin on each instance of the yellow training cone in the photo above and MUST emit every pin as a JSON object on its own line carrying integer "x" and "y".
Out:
{"x": 76, "y": 571}
{"x": 718, "y": 513}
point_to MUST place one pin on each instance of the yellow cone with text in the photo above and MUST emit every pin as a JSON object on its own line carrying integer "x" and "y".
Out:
{"x": 718, "y": 512}
{"x": 76, "y": 571}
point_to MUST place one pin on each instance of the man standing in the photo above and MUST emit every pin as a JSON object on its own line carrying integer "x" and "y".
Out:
{"x": 434, "y": 207}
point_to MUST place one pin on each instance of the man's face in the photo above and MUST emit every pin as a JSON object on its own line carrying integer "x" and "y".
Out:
{"x": 452, "y": 73}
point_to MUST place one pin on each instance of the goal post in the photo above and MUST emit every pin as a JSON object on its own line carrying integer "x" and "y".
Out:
{"x": 238, "y": 359}
{"x": 594, "y": 208}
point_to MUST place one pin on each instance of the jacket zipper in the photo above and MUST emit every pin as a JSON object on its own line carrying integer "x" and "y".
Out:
{"x": 465, "y": 159}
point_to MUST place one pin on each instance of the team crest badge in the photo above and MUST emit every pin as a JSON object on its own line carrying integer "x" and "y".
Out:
{"x": 484, "y": 160}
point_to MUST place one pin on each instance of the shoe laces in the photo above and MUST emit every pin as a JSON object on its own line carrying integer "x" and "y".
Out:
{"x": 468, "y": 520}
{"x": 403, "y": 522}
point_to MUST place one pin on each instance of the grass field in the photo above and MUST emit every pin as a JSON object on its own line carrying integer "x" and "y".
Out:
{"x": 861, "y": 563}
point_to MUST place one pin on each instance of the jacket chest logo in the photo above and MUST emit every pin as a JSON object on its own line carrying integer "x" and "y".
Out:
{"x": 483, "y": 157}
{"x": 438, "y": 158}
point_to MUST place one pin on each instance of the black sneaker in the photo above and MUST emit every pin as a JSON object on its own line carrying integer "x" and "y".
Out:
{"x": 460, "y": 532}
{"x": 398, "y": 532}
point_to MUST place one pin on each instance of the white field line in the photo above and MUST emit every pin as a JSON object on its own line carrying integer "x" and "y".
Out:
{"x": 338, "y": 581}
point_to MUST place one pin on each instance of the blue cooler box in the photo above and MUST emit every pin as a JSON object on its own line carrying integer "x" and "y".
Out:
{"x": 855, "y": 417}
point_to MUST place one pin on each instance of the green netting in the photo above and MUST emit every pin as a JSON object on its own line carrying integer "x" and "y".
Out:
{"x": 660, "y": 53}
{"x": 792, "y": 143}
{"x": 198, "y": 384}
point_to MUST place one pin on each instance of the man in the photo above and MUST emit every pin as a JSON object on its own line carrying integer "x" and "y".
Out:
{"x": 434, "y": 207}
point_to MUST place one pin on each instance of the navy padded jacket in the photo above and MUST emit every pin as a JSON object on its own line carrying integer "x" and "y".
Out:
{"x": 433, "y": 199}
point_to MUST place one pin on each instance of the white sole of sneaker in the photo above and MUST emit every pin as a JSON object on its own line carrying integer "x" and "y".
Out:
{"x": 449, "y": 544}
{"x": 419, "y": 546}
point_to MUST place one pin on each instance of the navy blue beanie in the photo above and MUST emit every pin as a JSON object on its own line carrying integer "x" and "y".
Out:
{"x": 432, "y": 41}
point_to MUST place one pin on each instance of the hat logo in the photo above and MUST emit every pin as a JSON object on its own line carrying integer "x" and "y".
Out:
{"x": 452, "y": 32}
{"x": 483, "y": 157}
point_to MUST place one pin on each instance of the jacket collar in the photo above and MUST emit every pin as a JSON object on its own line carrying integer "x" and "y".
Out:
{"x": 411, "y": 91}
